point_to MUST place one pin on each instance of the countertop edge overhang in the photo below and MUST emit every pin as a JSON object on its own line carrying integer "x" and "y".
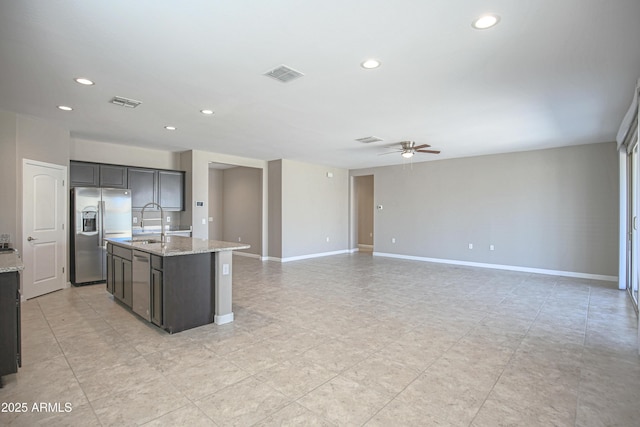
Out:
{"x": 178, "y": 245}
{"x": 10, "y": 262}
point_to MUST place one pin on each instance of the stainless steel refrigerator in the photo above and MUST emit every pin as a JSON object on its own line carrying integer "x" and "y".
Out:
{"x": 98, "y": 213}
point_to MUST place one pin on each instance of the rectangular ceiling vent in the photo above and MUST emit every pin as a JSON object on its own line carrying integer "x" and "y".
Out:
{"x": 369, "y": 139}
{"x": 125, "y": 102}
{"x": 283, "y": 74}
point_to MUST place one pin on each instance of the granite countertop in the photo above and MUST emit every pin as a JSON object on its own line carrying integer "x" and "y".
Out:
{"x": 178, "y": 245}
{"x": 9, "y": 262}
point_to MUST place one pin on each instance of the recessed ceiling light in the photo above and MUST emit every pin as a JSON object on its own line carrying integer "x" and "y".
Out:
{"x": 485, "y": 21}
{"x": 370, "y": 64}
{"x": 207, "y": 112}
{"x": 170, "y": 127}
{"x": 64, "y": 108}
{"x": 84, "y": 81}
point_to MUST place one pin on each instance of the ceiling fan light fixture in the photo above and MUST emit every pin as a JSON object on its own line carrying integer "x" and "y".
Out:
{"x": 485, "y": 21}
{"x": 64, "y": 108}
{"x": 207, "y": 112}
{"x": 407, "y": 154}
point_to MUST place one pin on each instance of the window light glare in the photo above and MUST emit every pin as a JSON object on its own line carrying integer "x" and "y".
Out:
{"x": 65, "y": 108}
{"x": 485, "y": 21}
{"x": 170, "y": 127}
{"x": 84, "y": 81}
{"x": 207, "y": 112}
{"x": 370, "y": 64}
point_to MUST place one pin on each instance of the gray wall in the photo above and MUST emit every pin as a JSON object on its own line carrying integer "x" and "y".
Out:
{"x": 553, "y": 209}
{"x": 275, "y": 208}
{"x": 364, "y": 201}
{"x": 314, "y": 208}
{"x": 216, "y": 190}
{"x": 40, "y": 140}
{"x": 8, "y": 175}
{"x": 242, "y": 207}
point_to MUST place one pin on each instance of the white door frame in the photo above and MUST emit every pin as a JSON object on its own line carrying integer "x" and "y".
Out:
{"x": 63, "y": 199}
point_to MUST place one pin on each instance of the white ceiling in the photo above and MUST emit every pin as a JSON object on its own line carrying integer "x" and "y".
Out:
{"x": 551, "y": 73}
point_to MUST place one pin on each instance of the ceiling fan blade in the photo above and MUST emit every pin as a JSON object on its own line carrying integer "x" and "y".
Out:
{"x": 418, "y": 147}
{"x": 390, "y": 152}
{"x": 429, "y": 151}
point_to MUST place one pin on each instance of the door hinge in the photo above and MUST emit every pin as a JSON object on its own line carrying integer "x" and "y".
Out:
{"x": 63, "y": 182}
{"x": 63, "y": 269}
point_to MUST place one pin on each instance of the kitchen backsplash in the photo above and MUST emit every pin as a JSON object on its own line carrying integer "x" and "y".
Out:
{"x": 5, "y": 240}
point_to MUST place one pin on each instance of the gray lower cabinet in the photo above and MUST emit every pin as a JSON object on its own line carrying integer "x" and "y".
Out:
{"x": 10, "y": 347}
{"x": 120, "y": 282}
{"x": 157, "y": 290}
{"x": 181, "y": 287}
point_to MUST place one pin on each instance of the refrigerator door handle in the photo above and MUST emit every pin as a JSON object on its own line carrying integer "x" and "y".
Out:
{"x": 101, "y": 241}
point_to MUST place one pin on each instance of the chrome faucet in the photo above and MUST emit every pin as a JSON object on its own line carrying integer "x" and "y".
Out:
{"x": 162, "y": 235}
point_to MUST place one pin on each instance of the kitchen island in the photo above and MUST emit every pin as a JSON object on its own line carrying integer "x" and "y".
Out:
{"x": 177, "y": 284}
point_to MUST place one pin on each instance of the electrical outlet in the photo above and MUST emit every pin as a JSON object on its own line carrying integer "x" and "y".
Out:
{"x": 204, "y": 221}
{"x": 393, "y": 240}
{"x": 239, "y": 239}
{"x": 135, "y": 219}
{"x": 470, "y": 245}
{"x": 492, "y": 248}
{"x": 327, "y": 238}
{"x": 168, "y": 219}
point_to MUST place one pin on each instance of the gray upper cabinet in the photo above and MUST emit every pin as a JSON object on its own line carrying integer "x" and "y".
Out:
{"x": 113, "y": 176}
{"x": 84, "y": 174}
{"x": 143, "y": 184}
{"x": 147, "y": 185}
{"x": 160, "y": 186}
{"x": 171, "y": 190}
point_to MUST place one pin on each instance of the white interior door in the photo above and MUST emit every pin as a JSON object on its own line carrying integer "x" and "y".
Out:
{"x": 632, "y": 283}
{"x": 43, "y": 227}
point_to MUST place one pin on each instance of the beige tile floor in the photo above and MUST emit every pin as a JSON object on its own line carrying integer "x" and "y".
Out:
{"x": 342, "y": 340}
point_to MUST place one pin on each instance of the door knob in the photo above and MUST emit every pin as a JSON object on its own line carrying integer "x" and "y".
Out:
{"x": 30, "y": 239}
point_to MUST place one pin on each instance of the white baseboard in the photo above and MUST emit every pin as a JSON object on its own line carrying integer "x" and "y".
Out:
{"x": 317, "y": 255}
{"x": 248, "y": 255}
{"x": 221, "y": 320}
{"x": 503, "y": 267}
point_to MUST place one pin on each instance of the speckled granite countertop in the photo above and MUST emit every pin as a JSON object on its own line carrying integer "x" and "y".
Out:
{"x": 9, "y": 262}
{"x": 178, "y": 245}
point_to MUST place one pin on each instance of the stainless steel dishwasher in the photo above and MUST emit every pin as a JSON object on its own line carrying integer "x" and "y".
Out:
{"x": 141, "y": 284}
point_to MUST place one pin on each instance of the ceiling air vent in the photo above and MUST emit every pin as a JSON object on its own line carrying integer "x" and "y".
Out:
{"x": 284, "y": 74}
{"x": 369, "y": 139}
{"x": 125, "y": 102}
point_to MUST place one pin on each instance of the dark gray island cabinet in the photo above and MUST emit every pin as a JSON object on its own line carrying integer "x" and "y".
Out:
{"x": 180, "y": 284}
{"x": 10, "y": 348}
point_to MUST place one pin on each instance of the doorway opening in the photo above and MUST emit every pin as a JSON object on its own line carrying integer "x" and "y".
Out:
{"x": 235, "y": 206}
{"x": 363, "y": 213}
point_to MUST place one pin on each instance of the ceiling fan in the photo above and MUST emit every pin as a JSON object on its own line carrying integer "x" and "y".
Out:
{"x": 409, "y": 148}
